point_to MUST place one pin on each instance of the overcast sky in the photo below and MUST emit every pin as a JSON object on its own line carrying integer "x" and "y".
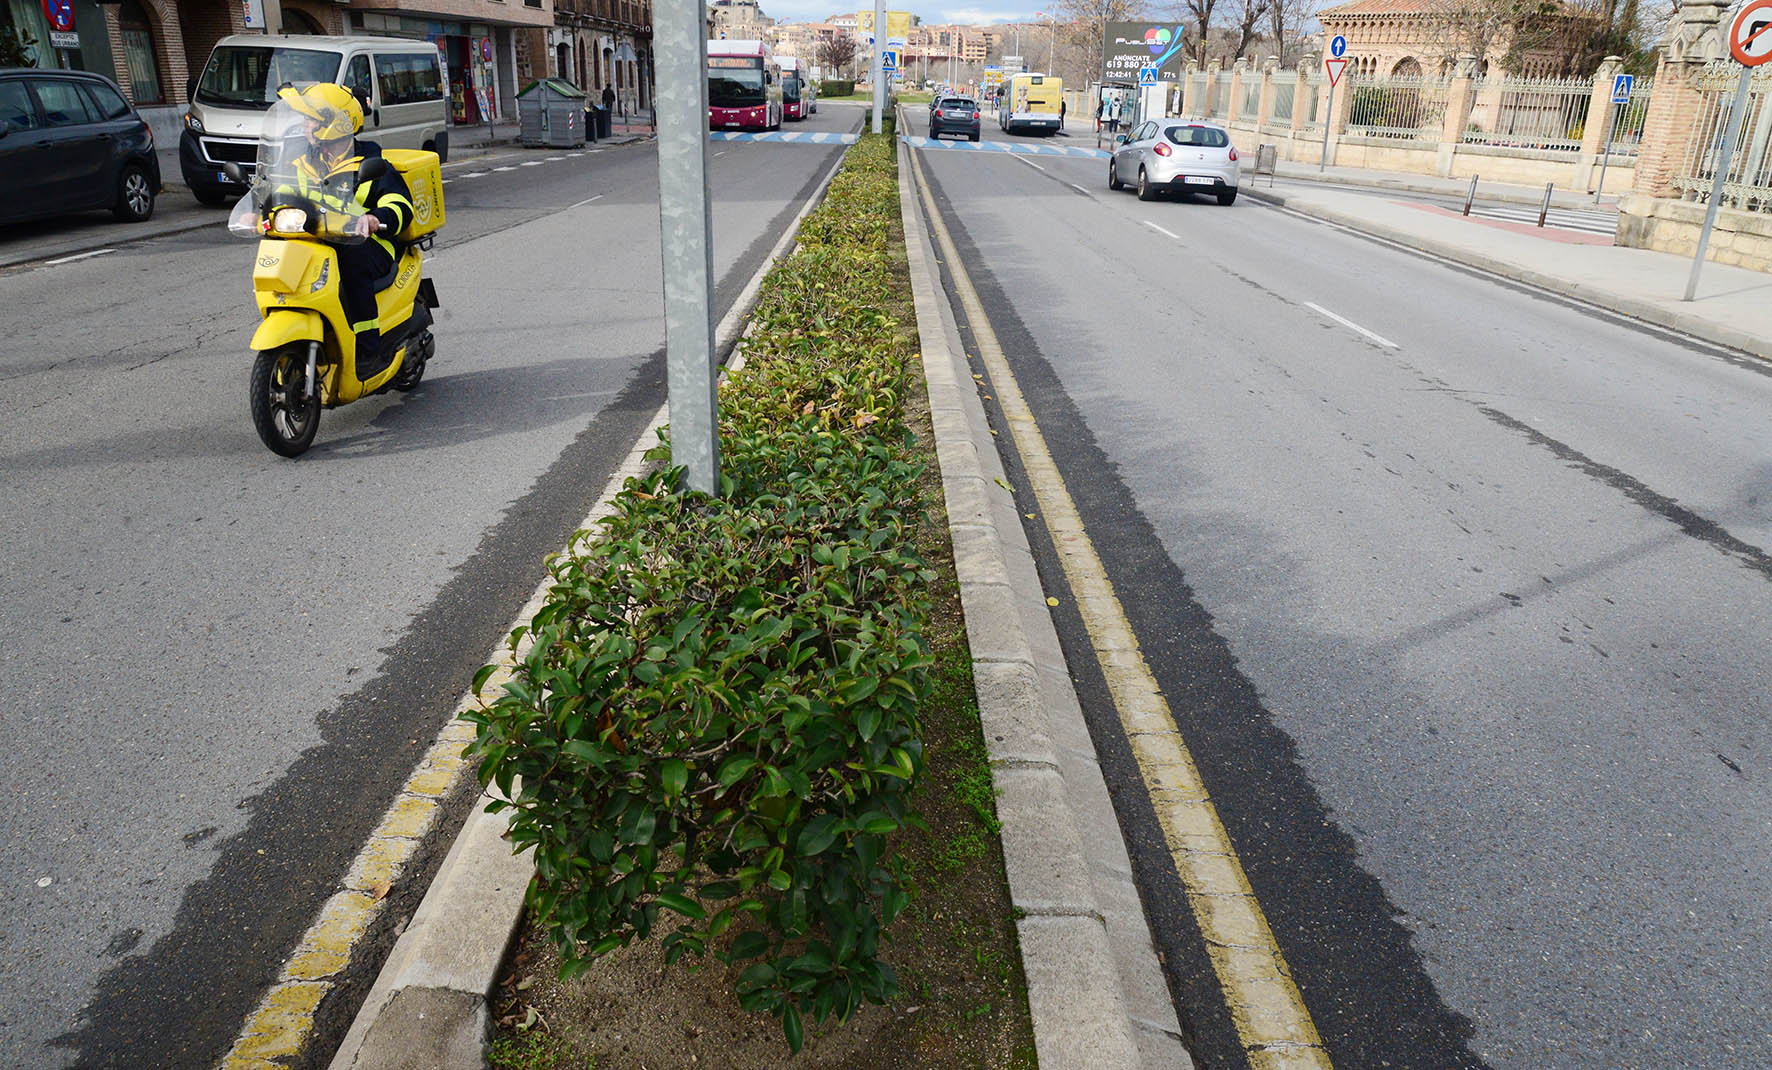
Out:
{"x": 973, "y": 13}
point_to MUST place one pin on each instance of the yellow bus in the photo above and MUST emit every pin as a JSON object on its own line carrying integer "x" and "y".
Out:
{"x": 1031, "y": 103}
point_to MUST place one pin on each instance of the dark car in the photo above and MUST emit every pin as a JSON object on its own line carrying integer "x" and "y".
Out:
{"x": 69, "y": 142}
{"x": 953, "y": 115}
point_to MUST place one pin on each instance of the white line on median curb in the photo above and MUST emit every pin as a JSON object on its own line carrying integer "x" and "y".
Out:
{"x": 1078, "y": 188}
{"x": 1160, "y": 230}
{"x": 1029, "y": 162}
{"x": 77, "y": 256}
{"x": 1352, "y": 326}
{"x": 584, "y": 202}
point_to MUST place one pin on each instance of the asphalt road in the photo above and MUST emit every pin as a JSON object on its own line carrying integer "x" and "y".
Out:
{"x": 221, "y": 664}
{"x": 1459, "y": 594}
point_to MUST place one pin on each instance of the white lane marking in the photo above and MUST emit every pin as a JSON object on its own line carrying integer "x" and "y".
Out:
{"x": 555, "y": 159}
{"x": 526, "y": 163}
{"x": 1078, "y": 188}
{"x": 1352, "y": 326}
{"x": 722, "y": 152}
{"x": 474, "y": 174}
{"x": 1029, "y": 162}
{"x": 1160, "y": 230}
{"x": 447, "y": 181}
{"x": 77, "y": 256}
{"x": 504, "y": 168}
{"x": 574, "y": 155}
{"x": 584, "y": 202}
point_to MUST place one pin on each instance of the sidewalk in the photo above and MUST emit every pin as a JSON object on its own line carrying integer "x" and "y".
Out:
{"x": 1733, "y": 306}
{"x": 1405, "y": 182}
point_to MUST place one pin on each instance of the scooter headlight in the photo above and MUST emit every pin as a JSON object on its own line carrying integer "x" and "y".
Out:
{"x": 289, "y": 221}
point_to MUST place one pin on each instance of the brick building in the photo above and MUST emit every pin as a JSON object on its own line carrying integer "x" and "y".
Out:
{"x": 1414, "y": 37}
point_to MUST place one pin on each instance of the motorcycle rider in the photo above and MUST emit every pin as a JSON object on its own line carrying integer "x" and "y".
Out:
{"x": 332, "y": 119}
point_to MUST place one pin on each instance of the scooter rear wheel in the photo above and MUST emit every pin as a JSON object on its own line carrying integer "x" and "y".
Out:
{"x": 284, "y": 414}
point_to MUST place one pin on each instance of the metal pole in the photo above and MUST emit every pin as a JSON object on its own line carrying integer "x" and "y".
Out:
{"x": 686, "y": 241}
{"x": 1606, "y": 149}
{"x": 879, "y": 64}
{"x": 1328, "y": 121}
{"x": 1471, "y": 196}
{"x": 1716, "y": 186}
{"x": 1544, "y": 209}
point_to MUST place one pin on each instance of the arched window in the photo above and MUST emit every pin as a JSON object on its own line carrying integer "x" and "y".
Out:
{"x": 138, "y": 54}
{"x": 298, "y": 21}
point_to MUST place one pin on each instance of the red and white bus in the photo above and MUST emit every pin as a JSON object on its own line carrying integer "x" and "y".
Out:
{"x": 798, "y": 98}
{"x": 744, "y": 86}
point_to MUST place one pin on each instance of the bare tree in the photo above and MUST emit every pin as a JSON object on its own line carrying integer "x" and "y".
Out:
{"x": 1284, "y": 19}
{"x": 1251, "y": 14}
{"x": 1087, "y": 24}
{"x": 1200, "y": 12}
{"x": 838, "y": 53}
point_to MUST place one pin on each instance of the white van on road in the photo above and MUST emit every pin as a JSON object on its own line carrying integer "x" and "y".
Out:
{"x": 402, "y": 84}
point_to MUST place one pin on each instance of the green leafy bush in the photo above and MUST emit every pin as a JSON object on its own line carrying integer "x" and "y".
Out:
{"x": 716, "y": 714}
{"x": 831, "y": 87}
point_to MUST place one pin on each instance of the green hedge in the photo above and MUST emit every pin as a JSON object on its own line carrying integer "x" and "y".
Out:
{"x": 717, "y": 718}
{"x": 833, "y": 88}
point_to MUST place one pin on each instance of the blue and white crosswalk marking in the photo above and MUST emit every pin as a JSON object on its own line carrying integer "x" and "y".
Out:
{"x": 797, "y": 137}
{"x": 1021, "y": 148}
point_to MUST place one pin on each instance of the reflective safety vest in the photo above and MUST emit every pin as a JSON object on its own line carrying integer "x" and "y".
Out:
{"x": 310, "y": 183}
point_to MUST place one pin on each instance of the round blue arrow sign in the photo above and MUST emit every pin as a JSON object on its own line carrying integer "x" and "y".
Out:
{"x": 1338, "y": 46}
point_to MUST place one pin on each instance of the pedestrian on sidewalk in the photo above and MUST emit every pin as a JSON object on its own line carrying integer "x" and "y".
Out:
{"x": 1061, "y": 113}
{"x": 608, "y": 97}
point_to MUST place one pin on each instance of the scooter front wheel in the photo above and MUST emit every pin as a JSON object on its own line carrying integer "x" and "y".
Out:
{"x": 284, "y": 413}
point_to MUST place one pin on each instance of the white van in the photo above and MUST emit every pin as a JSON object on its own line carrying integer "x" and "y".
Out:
{"x": 402, "y": 83}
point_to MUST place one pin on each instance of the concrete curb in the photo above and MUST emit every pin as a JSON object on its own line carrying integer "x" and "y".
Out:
{"x": 428, "y": 1008}
{"x": 1567, "y": 199}
{"x": 1598, "y": 296}
{"x": 1096, "y": 991}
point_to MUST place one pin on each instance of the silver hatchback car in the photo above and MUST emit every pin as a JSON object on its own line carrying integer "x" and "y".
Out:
{"x": 1176, "y": 156}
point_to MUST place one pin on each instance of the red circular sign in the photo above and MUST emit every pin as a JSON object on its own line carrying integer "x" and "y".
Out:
{"x": 1750, "y": 35}
{"x": 61, "y": 14}
{"x": 486, "y": 46}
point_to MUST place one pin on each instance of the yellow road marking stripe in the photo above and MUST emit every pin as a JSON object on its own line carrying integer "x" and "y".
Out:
{"x": 1272, "y": 1022}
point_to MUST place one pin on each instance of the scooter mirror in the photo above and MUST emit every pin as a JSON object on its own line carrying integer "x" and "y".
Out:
{"x": 372, "y": 169}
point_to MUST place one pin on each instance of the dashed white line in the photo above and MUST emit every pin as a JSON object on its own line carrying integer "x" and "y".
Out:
{"x": 1030, "y": 163}
{"x": 78, "y": 256}
{"x": 1352, "y": 326}
{"x": 584, "y": 202}
{"x": 447, "y": 181}
{"x": 722, "y": 152}
{"x": 474, "y": 174}
{"x": 504, "y": 168}
{"x": 1160, "y": 230}
{"x": 555, "y": 159}
{"x": 527, "y": 163}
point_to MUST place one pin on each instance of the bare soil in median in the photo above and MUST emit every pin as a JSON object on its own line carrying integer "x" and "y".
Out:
{"x": 963, "y": 1000}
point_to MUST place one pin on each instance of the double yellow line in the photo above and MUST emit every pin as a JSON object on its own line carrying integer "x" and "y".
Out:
{"x": 1272, "y": 1022}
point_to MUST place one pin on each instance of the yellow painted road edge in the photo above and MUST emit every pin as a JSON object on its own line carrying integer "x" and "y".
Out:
{"x": 1272, "y": 1022}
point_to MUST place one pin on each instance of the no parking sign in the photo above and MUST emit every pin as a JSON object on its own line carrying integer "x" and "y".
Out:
{"x": 60, "y": 14}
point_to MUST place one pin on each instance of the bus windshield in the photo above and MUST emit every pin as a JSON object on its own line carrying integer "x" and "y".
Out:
{"x": 790, "y": 86}
{"x": 242, "y": 76}
{"x": 735, "y": 82}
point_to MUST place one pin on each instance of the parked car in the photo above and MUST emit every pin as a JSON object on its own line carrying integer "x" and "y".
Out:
{"x": 953, "y": 115}
{"x": 1175, "y": 156}
{"x": 69, "y": 142}
{"x": 401, "y": 83}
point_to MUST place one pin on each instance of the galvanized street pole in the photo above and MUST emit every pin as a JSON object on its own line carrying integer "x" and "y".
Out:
{"x": 1328, "y": 121}
{"x": 879, "y": 71}
{"x": 1606, "y": 149}
{"x": 1716, "y": 186}
{"x": 686, "y": 239}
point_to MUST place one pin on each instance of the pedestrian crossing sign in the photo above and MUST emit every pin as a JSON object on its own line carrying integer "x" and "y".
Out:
{"x": 1621, "y": 89}
{"x": 1147, "y": 76}
{"x": 889, "y": 60}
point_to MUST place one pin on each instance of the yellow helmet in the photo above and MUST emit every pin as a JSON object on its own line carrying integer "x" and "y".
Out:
{"x": 332, "y": 106}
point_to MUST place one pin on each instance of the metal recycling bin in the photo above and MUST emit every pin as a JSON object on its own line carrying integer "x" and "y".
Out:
{"x": 552, "y": 114}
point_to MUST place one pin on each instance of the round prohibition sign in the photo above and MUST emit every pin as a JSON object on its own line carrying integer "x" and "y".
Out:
{"x": 1750, "y": 35}
{"x": 60, "y": 13}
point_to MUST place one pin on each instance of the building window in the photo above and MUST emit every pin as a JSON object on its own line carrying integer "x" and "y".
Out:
{"x": 138, "y": 54}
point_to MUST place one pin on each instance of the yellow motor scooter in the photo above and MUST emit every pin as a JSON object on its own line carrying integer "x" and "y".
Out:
{"x": 307, "y": 351}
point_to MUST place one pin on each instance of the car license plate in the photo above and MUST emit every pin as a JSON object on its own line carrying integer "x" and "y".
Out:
{"x": 1196, "y": 180}
{"x": 222, "y": 176}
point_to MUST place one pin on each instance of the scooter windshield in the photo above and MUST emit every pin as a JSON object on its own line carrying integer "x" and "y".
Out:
{"x": 302, "y": 187}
